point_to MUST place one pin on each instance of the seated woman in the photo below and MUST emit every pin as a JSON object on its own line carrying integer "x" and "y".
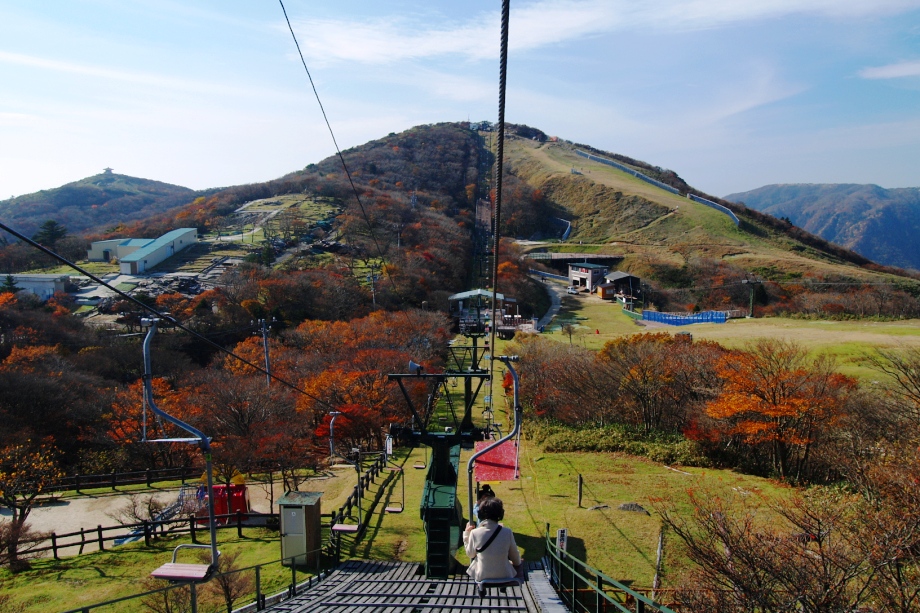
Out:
{"x": 484, "y": 492}
{"x": 491, "y": 547}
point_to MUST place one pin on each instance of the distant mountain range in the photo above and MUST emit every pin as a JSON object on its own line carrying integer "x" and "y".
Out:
{"x": 880, "y": 224}
{"x": 94, "y": 203}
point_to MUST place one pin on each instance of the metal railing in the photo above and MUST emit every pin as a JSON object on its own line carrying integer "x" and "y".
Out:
{"x": 584, "y": 588}
{"x": 259, "y": 600}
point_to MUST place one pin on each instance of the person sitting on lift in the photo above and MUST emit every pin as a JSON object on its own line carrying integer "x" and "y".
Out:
{"x": 491, "y": 547}
{"x": 484, "y": 492}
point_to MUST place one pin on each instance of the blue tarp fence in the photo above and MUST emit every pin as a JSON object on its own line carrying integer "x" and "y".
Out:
{"x": 677, "y": 319}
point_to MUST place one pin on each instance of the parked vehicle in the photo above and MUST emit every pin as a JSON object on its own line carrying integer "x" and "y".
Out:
{"x": 571, "y": 290}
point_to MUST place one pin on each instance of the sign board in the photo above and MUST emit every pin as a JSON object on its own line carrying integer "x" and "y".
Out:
{"x": 562, "y": 538}
{"x": 389, "y": 445}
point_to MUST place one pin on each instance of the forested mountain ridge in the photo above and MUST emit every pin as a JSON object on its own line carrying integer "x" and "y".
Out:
{"x": 881, "y": 224}
{"x": 94, "y": 203}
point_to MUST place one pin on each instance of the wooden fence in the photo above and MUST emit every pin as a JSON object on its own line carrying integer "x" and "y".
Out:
{"x": 116, "y": 479}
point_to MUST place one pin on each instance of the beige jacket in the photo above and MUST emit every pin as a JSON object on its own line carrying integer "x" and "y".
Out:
{"x": 496, "y": 561}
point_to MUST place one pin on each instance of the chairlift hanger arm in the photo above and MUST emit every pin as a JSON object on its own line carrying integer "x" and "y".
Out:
{"x": 418, "y": 418}
{"x": 203, "y": 441}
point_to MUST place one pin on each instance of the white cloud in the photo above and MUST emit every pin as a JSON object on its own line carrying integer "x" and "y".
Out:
{"x": 892, "y": 71}
{"x": 550, "y": 22}
{"x": 158, "y": 81}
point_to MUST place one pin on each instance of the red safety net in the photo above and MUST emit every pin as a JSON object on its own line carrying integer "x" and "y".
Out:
{"x": 498, "y": 464}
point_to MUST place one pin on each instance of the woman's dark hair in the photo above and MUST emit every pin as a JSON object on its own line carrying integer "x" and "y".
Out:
{"x": 491, "y": 508}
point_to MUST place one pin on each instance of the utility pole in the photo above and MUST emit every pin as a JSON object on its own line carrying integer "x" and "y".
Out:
{"x": 373, "y": 279}
{"x": 751, "y": 283}
{"x": 268, "y": 370}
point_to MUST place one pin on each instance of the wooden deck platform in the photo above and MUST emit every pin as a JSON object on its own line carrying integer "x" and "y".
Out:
{"x": 361, "y": 586}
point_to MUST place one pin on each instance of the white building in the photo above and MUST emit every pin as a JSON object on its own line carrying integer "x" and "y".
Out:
{"x": 104, "y": 251}
{"x": 587, "y": 275}
{"x": 138, "y": 255}
{"x": 42, "y": 286}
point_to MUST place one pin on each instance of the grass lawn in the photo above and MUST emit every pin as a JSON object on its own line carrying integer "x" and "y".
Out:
{"x": 598, "y": 321}
{"x": 122, "y": 571}
{"x": 621, "y": 543}
{"x": 97, "y": 268}
{"x": 848, "y": 341}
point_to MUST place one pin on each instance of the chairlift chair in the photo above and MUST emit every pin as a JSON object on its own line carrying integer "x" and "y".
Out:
{"x": 174, "y": 571}
{"x": 422, "y": 465}
{"x": 402, "y": 501}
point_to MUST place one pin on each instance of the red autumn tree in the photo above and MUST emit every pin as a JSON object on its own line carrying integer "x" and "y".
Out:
{"x": 775, "y": 397}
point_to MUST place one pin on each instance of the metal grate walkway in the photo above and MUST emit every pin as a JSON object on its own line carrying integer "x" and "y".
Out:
{"x": 362, "y": 586}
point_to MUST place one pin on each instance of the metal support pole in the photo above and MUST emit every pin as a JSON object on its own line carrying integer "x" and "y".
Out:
{"x": 268, "y": 368}
{"x": 204, "y": 442}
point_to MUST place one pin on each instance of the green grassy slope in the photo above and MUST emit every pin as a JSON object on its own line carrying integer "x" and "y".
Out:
{"x": 615, "y": 213}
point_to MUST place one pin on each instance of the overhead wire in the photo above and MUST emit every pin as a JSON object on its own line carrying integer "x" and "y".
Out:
{"x": 341, "y": 157}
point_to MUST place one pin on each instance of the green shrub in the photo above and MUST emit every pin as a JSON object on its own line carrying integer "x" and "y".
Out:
{"x": 664, "y": 447}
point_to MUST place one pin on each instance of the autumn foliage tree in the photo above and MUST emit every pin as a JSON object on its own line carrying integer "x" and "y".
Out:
{"x": 652, "y": 379}
{"x": 26, "y": 472}
{"x": 774, "y": 397}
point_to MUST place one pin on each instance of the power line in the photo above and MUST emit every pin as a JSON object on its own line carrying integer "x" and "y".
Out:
{"x": 342, "y": 159}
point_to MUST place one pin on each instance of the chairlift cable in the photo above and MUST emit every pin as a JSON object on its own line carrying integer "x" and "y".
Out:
{"x": 499, "y": 170}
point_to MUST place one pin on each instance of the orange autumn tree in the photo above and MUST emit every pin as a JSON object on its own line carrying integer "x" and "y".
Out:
{"x": 125, "y": 428}
{"x": 774, "y": 397}
{"x": 27, "y": 471}
{"x": 282, "y": 360}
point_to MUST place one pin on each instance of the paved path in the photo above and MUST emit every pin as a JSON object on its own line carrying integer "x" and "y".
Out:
{"x": 69, "y": 515}
{"x": 555, "y": 291}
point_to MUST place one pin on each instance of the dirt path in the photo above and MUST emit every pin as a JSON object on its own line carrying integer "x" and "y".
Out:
{"x": 70, "y": 515}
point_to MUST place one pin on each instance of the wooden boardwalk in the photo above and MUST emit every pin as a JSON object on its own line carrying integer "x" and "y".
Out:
{"x": 362, "y": 586}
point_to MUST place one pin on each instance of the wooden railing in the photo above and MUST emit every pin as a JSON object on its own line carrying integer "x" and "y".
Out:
{"x": 116, "y": 479}
{"x": 96, "y": 539}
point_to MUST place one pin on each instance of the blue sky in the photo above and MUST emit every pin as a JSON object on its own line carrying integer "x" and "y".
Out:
{"x": 731, "y": 94}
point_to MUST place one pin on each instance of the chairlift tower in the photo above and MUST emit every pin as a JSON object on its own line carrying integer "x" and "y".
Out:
{"x": 440, "y": 509}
